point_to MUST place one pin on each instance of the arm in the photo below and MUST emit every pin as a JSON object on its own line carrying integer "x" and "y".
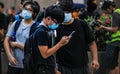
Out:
{"x": 115, "y": 23}
{"x": 46, "y": 52}
{"x": 93, "y": 48}
{"x": 17, "y": 44}
{"x": 110, "y": 29}
{"x": 20, "y": 45}
{"x": 1, "y": 33}
{"x": 8, "y": 50}
{"x": 7, "y": 46}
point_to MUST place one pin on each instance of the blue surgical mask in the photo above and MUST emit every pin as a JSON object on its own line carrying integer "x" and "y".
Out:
{"x": 54, "y": 26}
{"x": 68, "y": 17}
{"x": 26, "y": 14}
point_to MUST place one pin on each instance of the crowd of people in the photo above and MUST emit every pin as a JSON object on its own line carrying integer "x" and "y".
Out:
{"x": 62, "y": 36}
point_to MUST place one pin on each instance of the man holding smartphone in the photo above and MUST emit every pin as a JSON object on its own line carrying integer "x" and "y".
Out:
{"x": 72, "y": 58}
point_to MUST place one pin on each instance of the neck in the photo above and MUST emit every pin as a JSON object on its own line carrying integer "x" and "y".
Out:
{"x": 28, "y": 21}
{"x": 68, "y": 23}
{"x": 45, "y": 21}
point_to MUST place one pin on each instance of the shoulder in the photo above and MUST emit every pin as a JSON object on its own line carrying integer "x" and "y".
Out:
{"x": 40, "y": 30}
{"x": 2, "y": 14}
{"x": 116, "y": 16}
{"x": 81, "y": 21}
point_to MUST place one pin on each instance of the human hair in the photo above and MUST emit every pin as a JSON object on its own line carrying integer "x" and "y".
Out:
{"x": 107, "y": 4}
{"x": 55, "y": 12}
{"x": 66, "y": 5}
{"x": 35, "y": 8}
{"x": 91, "y": 6}
{"x": 2, "y": 5}
{"x": 23, "y": 1}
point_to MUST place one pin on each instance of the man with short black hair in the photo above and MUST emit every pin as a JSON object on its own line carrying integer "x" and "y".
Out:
{"x": 72, "y": 58}
{"x": 16, "y": 37}
{"x": 43, "y": 42}
{"x": 2, "y": 23}
{"x": 2, "y": 15}
{"x": 113, "y": 42}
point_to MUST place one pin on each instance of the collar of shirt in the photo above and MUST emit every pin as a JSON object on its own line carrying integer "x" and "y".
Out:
{"x": 43, "y": 24}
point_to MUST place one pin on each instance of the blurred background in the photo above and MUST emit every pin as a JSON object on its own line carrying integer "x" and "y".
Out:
{"x": 46, "y": 3}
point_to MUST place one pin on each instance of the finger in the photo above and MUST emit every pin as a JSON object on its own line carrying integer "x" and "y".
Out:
{"x": 69, "y": 36}
{"x": 92, "y": 70}
{"x": 14, "y": 61}
{"x": 97, "y": 66}
{"x": 92, "y": 65}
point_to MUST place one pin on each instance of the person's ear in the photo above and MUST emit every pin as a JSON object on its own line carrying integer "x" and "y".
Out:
{"x": 48, "y": 18}
{"x": 34, "y": 14}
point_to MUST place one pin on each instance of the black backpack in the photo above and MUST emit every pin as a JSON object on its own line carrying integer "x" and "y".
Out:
{"x": 30, "y": 65}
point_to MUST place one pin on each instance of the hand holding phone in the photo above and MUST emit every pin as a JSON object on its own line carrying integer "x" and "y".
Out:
{"x": 71, "y": 33}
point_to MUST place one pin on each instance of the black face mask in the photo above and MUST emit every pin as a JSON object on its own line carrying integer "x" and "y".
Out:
{"x": 92, "y": 7}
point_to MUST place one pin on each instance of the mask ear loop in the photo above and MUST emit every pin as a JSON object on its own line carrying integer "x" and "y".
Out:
{"x": 39, "y": 14}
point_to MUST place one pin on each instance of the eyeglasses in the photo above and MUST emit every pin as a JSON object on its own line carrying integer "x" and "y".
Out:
{"x": 29, "y": 9}
{"x": 54, "y": 20}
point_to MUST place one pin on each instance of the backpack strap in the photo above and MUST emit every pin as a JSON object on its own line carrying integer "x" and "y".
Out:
{"x": 33, "y": 28}
{"x": 17, "y": 24}
{"x": 18, "y": 17}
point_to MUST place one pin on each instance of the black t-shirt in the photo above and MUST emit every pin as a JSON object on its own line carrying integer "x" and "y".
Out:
{"x": 2, "y": 20}
{"x": 43, "y": 38}
{"x": 85, "y": 15}
{"x": 9, "y": 18}
{"x": 74, "y": 54}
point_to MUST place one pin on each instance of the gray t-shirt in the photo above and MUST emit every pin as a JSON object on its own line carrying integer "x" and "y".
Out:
{"x": 21, "y": 35}
{"x": 116, "y": 20}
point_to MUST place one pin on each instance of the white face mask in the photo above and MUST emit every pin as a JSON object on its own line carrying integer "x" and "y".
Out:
{"x": 68, "y": 17}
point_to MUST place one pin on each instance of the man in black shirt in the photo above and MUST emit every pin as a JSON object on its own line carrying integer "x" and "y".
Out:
{"x": 2, "y": 16}
{"x": 113, "y": 41}
{"x": 2, "y": 23}
{"x": 73, "y": 58}
{"x": 91, "y": 10}
{"x": 43, "y": 52}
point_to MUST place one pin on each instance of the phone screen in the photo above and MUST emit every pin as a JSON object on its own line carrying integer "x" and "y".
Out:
{"x": 71, "y": 33}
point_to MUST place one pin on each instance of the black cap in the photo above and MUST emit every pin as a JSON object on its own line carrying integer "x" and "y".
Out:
{"x": 76, "y": 9}
{"x": 66, "y": 5}
{"x": 91, "y": 6}
{"x": 55, "y": 12}
{"x": 107, "y": 4}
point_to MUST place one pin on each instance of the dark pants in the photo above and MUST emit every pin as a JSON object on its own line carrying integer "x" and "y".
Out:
{"x": 111, "y": 56}
{"x": 14, "y": 70}
{"x": 67, "y": 70}
{"x": 42, "y": 69}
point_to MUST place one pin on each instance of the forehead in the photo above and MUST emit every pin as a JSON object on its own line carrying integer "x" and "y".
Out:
{"x": 28, "y": 6}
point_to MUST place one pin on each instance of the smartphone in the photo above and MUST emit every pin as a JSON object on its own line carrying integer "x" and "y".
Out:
{"x": 71, "y": 33}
